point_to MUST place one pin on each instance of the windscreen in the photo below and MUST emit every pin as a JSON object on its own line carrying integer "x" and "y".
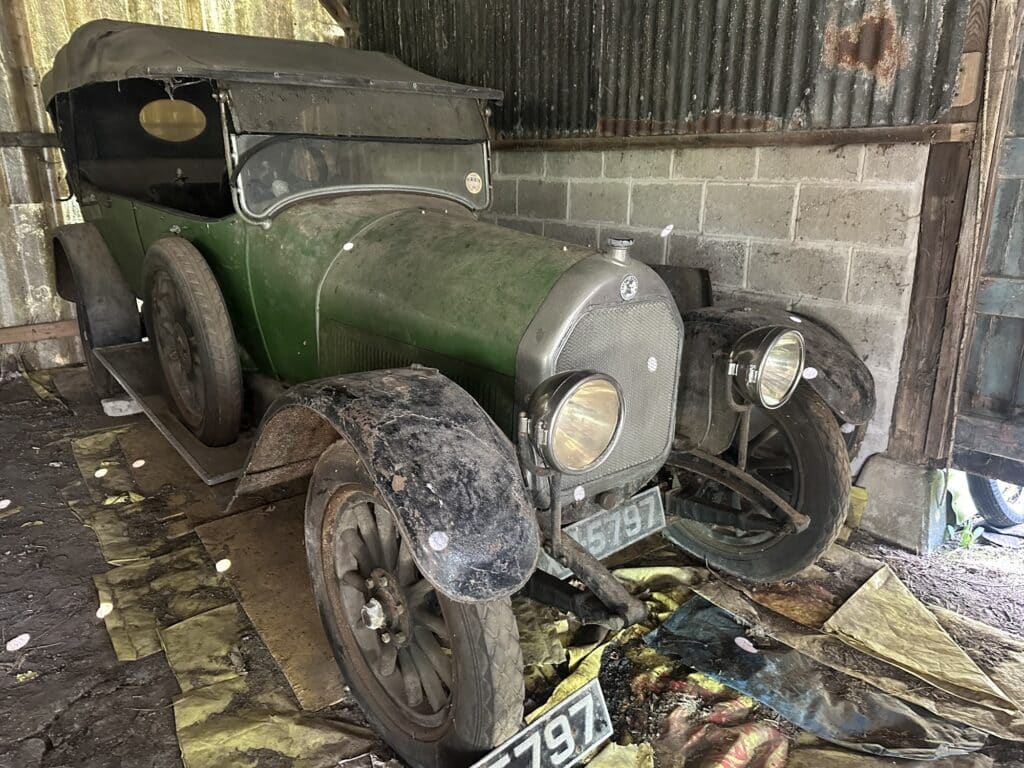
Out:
{"x": 274, "y": 170}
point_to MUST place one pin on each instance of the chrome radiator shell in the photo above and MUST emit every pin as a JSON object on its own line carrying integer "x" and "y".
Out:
{"x": 586, "y": 324}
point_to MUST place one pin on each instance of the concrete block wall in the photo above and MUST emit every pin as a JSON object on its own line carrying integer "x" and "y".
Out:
{"x": 829, "y": 231}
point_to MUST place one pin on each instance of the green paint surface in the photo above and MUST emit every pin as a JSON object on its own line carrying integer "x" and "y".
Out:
{"x": 357, "y": 283}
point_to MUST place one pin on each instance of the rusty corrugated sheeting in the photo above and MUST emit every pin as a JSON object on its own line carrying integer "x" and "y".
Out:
{"x": 641, "y": 67}
{"x": 31, "y": 180}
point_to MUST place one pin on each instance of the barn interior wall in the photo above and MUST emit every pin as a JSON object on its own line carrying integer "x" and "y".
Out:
{"x": 828, "y": 231}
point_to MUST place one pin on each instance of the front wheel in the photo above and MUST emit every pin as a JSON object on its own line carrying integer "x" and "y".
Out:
{"x": 441, "y": 681}
{"x": 799, "y": 452}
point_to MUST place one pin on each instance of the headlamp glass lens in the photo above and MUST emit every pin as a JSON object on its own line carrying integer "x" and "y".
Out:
{"x": 780, "y": 369}
{"x": 585, "y": 425}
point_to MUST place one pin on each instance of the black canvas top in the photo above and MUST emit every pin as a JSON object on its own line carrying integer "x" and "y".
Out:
{"x": 108, "y": 51}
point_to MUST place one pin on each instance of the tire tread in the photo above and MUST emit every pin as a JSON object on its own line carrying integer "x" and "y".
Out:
{"x": 222, "y": 419}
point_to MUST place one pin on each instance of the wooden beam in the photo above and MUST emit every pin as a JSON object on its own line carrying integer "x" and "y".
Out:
{"x": 942, "y": 209}
{"x": 58, "y": 329}
{"x": 28, "y": 139}
{"x": 937, "y": 133}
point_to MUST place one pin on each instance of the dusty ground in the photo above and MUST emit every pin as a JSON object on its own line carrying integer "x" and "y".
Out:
{"x": 983, "y": 582}
{"x": 66, "y": 701}
{"x": 82, "y": 707}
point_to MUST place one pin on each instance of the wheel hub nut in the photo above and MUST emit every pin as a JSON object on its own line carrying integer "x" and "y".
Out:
{"x": 372, "y": 614}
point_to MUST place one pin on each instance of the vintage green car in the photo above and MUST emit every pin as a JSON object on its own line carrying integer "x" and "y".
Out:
{"x": 459, "y": 402}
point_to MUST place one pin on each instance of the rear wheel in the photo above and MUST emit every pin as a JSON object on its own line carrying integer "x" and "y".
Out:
{"x": 1000, "y": 503}
{"x": 189, "y": 324}
{"x": 798, "y": 451}
{"x": 102, "y": 381}
{"x": 441, "y": 681}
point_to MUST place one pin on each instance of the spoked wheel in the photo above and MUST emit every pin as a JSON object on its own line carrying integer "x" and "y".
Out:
{"x": 441, "y": 681}
{"x": 999, "y": 502}
{"x": 189, "y": 325}
{"x": 798, "y": 451}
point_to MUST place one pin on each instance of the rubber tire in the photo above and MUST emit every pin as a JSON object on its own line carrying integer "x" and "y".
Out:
{"x": 487, "y": 702}
{"x": 990, "y": 503}
{"x": 104, "y": 384}
{"x": 221, "y": 418}
{"x": 825, "y": 467}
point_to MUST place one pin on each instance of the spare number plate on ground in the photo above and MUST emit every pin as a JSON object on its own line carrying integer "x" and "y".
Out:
{"x": 607, "y": 532}
{"x": 559, "y": 738}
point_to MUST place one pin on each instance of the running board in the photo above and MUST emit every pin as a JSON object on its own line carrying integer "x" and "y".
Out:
{"x": 137, "y": 370}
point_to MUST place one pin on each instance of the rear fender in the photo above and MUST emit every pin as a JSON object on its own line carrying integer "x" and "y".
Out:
{"x": 435, "y": 457}
{"x": 88, "y": 275}
{"x": 841, "y": 378}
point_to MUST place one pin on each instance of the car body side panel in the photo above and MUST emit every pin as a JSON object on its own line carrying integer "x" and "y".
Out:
{"x": 222, "y": 242}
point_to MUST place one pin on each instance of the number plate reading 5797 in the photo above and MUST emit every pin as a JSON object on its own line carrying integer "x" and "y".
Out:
{"x": 561, "y": 737}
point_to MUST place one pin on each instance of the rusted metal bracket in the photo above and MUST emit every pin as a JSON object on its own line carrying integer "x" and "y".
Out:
{"x": 600, "y": 581}
{"x": 738, "y": 481}
{"x": 585, "y": 606}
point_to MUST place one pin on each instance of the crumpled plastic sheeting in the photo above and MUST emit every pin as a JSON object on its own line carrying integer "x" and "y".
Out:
{"x": 717, "y": 728}
{"x": 885, "y": 620}
{"x": 236, "y": 710}
{"x": 662, "y": 588}
{"x": 101, "y": 452}
{"x": 155, "y": 593}
{"x": 813, "y": 595}
{"x": 628, "y": 756}
{"x": 831, "y": 705}
{"x": 833, "y": 652}
{"x": 126, "y": 531}
{"x": 999, "y": 654}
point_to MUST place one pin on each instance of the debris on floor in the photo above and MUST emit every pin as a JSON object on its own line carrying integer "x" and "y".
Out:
{"x": 249, "y": 696}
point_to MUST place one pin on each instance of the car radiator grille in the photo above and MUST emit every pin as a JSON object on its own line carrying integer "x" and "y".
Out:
{"x": 619, "y": 341}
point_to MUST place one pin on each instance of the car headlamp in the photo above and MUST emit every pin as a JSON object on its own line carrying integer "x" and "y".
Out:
{"x": 767, "y": 365}
{"x": 575, "y": 418}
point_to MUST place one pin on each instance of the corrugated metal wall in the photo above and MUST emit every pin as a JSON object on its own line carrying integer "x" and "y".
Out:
{"x": 31, "y": 180}
{"x": 639, "y": 67}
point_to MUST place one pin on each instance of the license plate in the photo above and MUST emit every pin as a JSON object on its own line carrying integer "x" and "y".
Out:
{"x": 615, "y": 529}
{"x": 561, "y": 737}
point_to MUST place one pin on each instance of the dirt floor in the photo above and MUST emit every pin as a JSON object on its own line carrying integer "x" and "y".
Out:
{"x": 65, "y": 700}
{"x": 984, "y": 582}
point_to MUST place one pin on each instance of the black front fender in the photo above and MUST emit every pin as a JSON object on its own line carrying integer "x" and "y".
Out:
{"x": 841, "y": 378}
{"x": 434, "y": 455}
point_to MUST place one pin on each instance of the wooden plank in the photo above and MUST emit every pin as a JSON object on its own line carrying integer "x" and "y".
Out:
{"x": 996, "y": 437}
{"x": 1002, "y": 296}
{"x": 939, "y": 133}
{"x": 987, "y": 465}
{"x": 942, "y": 207}
{"x": 59, "y": 329}
{"x": 28, "y": 139}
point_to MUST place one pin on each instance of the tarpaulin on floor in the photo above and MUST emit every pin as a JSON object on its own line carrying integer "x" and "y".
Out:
{"x": 884, "y": 619}
{"x": 235, "y": 709}
{"x": 833, "y": 652}
{"x": 833, "y": 706}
